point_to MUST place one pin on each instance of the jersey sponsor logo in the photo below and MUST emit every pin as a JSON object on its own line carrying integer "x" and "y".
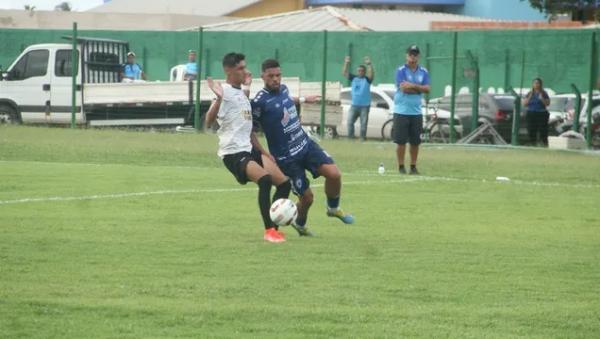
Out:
{"x": 286, "y": 117}
{"x": 298, "y": 184}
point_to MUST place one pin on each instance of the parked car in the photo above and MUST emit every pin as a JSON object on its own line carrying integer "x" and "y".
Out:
{"x": 496, "y": 109}
{"x": 381, "y": 109}
{"x": 380, "y": 114}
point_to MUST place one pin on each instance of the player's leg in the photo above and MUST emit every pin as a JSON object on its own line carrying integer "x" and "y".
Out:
{"x": 353, "y": 114}
{"x": 333, "y": 189}
{"x": 319, "y": 163}
{"x": 257, "y": 174}
{"x": 531, "y": 128}
{"x": 364, "y": 122}
{"x": 280, "y": 180}
{"x": 400, "y": 136}
{"x": 305, "y": 200}
{"x": 415, "y": 130}
{"x": 544, "y": 117}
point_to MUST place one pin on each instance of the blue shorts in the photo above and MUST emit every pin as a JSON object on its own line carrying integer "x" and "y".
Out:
{"x": 310, "y": 159}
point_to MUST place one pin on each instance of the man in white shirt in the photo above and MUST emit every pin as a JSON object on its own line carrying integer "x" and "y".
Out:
{"x": 233, "y": 112}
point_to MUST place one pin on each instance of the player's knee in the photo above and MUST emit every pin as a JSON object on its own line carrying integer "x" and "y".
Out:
{"x": 334, "y": 174}
{"x": 265, "y": 181}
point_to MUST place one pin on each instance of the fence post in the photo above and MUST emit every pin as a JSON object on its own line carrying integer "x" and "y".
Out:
{"x": 206, "y": 63}
{"x": 577, "y": 107}
{"x": 74, "y": 67}
{"x": 350, "y": 48}
{"x": 516, "y": 118}
{"x": 323, "y": 84}
{"x": 507, "y": 71}
{"x": 588, "y": 131}
{"x": 522, "y": 74}
{"x": 197, "y": 123}
{"x": 453, "y": 94}
{"x": 475, "y": 99}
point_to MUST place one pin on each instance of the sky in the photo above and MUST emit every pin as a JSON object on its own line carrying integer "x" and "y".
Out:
{"x": 48, "y": 5}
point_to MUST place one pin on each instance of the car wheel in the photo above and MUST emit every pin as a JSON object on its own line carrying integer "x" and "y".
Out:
{"x": 387, "y": 130}
{"x": 8, "y": 115}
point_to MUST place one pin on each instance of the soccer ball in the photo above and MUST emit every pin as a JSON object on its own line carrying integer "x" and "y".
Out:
{"x": 283, "y": 212}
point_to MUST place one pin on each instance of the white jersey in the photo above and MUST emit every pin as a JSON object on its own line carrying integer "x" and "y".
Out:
{"x": 235, "y": 122}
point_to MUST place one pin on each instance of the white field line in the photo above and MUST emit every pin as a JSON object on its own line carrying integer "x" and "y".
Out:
{"x": 166, "y": 192}
{"x": 243, "y": 189}
{"x": 514, "y": 182}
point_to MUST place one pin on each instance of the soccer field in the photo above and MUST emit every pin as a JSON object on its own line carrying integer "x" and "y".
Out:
{"x": 114, "y": 234}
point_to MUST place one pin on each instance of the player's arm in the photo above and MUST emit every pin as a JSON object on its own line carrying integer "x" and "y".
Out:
{"x": 408, "y": 87}
{"x": 345, "y": 67}
{"x": 256, "y": 144}
{"x": 411, "y": 88}
{"x": 545, "y": 99}
{"x": 370, "y": 70}
{"x": 213, "y": 110}
{"x": 309, "y": 99}
{"x": 527, "y": 98}
{"x": 211, "y": 115}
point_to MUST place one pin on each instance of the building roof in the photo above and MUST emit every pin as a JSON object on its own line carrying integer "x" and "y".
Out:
{"x": 187, "y": 7}
{"x": 100, "y": 20}
{"x": 342, "y": 19}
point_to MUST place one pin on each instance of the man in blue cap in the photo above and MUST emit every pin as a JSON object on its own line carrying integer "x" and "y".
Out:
{"x": 412, "y": 80}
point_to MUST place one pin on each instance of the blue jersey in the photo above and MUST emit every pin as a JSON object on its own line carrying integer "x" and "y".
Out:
{"x": 275, "y": 112}
{"x": 191, "y": 68}
{"x": 361, "y": 90}
{"x": 133, "y": 71}
{"x": 409, "y": 103}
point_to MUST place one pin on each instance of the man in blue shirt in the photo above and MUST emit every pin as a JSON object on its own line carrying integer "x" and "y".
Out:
{"x": 361, "y": 95}
{"x": 412, "y": 81}
{"x": 274, "y": 110}
{"x": 191, "y": 68}
{"x": 131, "y": 70}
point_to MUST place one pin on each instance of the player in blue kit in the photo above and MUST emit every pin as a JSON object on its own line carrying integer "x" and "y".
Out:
{"x": 274, "y": 111}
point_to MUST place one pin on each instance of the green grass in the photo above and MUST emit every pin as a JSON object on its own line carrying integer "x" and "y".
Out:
{"x": 453, "y": 254}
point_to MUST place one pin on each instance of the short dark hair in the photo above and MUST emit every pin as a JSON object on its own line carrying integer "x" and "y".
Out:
{"x": 363, "y": 67}
{"x": 233, "y": 59}
{"x": 270, "y": 63}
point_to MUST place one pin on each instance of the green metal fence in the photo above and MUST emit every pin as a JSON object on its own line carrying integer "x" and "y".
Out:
{"x": 504, "y": 59}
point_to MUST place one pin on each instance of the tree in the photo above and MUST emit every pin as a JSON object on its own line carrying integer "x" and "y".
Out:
{"x": 63, "y": 7}
{"x": 580, "y": 10}
{"x": 29, "y": 8}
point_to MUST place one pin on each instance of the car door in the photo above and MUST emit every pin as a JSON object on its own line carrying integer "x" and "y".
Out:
{"x": 28, "y": 84}
{"x": 378, "y": 115}
{"x": 60, "y": 94}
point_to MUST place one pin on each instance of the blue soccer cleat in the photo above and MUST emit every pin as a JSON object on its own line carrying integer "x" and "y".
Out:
{"x": 338, "y": 213}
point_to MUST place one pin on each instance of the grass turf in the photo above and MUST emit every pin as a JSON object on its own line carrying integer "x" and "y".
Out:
{"x": 452, "y": 253}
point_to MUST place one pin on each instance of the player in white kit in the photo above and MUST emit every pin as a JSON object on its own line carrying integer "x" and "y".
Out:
{"x": 233, "y": 113}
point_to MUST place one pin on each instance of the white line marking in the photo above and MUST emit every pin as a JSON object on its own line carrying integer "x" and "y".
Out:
{"x": 164, "y": 192}
{"x": 228, "y": 190}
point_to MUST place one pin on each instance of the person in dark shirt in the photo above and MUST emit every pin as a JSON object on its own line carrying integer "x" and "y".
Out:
{"x": 537, "y": 101}
{"x": 274, "y": 112}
